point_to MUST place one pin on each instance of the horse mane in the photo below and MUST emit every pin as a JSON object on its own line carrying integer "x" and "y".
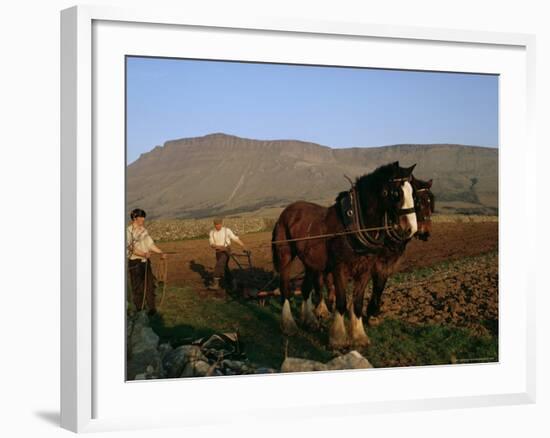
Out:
{"x": 376, "y": 178}
{"x": 368, "y": 183}
{"x": 373, "y": 180}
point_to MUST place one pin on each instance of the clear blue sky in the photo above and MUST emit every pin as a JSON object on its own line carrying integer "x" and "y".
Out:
{"x": 333, "y": 106}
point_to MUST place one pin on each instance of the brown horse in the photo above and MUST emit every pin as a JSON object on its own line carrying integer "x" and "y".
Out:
{"x": 386, "y": 262}
{"x": 384, "y": 201}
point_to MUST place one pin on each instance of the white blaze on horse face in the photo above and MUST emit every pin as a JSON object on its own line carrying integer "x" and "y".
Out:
{"x": 408, "y": 202}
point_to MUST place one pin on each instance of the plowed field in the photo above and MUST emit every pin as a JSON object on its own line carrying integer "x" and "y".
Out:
{"x": 191, "y": 262}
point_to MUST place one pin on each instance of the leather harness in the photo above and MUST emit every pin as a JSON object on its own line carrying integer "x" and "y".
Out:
{"x": 352, "y": 218}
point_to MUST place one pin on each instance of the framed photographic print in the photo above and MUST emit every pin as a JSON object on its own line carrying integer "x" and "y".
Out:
{"x": 270, "y": 215}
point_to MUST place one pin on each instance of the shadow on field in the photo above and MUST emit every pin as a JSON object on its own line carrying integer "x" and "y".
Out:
{"x": 207, "y": 277}
{"x": 251, "y": 280}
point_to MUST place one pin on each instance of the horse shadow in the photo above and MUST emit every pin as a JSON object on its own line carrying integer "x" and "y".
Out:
{"x": 206, "y": 275}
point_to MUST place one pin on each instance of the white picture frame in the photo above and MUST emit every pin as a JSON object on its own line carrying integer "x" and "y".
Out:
{"x": 92, "y": 40}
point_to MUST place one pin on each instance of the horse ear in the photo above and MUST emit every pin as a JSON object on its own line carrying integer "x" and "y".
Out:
{"x": 410, "y": 169}
{"x": 395, "y": 164}
{"x": 430, "y": 183}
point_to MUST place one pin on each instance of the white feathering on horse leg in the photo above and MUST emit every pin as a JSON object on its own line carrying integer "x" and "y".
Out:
{"x": 357, "y": 331}
{"x": 308, "y": 317}
{"x": 288, "y": 325}
{"x": 321, "y": 310}
{"x": 338, "y": 337}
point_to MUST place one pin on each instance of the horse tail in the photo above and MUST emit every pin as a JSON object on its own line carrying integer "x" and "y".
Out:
{"x": 280, "y": 232}
{"x": 274, "y": 249}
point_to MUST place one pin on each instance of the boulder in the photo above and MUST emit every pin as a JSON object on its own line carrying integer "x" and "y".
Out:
{"x": 202, "y": 368}
{"x": 175, "y": 361}
{"x": 350, "y": 361}
{"x": 143, "y": 352}
{"x": 297, "y": 365}
{"x": 197, "y": 368}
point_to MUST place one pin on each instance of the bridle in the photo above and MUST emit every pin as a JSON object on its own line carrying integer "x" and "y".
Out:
{"x": 391, "y": 227}
{"x": 420, "y": 217}
{"x": 352, "y": 216}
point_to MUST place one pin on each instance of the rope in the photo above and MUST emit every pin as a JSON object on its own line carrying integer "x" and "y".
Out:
{"x": 163, "y": 264}
{"x": 161, "y": 274}
{"x": 144, "y": 286}
{"x": 275, "y": 242}
{"x": 325, "y": 236}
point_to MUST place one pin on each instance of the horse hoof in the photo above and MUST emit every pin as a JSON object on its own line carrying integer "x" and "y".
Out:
{"x": 308, "y": 317}
{"x": 357, "y": 332}
{"x": 338, "y": 338}
{"x": 321, "y": 311}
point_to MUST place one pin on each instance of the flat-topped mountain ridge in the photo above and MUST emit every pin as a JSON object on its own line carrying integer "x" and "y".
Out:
{"x": 221, "y": 174}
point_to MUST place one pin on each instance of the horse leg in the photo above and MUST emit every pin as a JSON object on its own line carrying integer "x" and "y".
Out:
{"x": 308, "y": 317}
{"x": 378, "y": 285}
{"x": 321, "y": 311}
{"x": 288, "y": 325}
{"x": 357, "y": 331}
{"x": 338, "y": 337}
{"x": 331, "y": 292}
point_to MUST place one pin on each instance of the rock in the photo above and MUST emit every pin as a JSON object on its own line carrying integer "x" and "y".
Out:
{"x": 350, "y": 361}
{"x": 188, "y": 370}
{"x": 143, "y": 343}
{"x": 175, "y": 361}
{"x": 297, "y": 365}
{"x": 198, "y": 368}
{"x": 223, "y": 345}
{"x": 201, "y": 368}
{"x": 143, "y": 339}
{"x": 233, "y": 364}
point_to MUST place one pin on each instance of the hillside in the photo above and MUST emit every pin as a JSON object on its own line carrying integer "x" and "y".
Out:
{"x": 223, "y": 174}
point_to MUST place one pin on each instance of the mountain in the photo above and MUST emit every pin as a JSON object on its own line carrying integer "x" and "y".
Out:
{"x": 220, "y": 174}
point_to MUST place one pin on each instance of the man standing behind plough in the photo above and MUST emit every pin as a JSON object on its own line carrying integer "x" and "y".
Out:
{"x": 220, "y": 240}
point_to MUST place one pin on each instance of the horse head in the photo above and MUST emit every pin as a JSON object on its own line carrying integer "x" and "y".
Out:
{"x": 387, "y": 196}
{"x": 399, "y": 198}
{"x": 425, "y": 205}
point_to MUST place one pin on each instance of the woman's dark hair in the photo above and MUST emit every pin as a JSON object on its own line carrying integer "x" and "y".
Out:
{"x": 137, "y": 212}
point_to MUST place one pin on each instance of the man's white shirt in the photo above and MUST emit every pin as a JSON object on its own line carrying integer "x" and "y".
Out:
{"x": 223, "y": 237}
{"x": 138, "y": 238}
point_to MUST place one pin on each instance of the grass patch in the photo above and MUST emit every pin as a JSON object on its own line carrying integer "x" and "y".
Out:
{"x": 187, "y": 316}
{"x": 396, "y": 343}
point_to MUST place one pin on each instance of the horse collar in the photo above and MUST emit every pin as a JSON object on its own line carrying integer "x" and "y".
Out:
{"x": 352, "y": 218}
